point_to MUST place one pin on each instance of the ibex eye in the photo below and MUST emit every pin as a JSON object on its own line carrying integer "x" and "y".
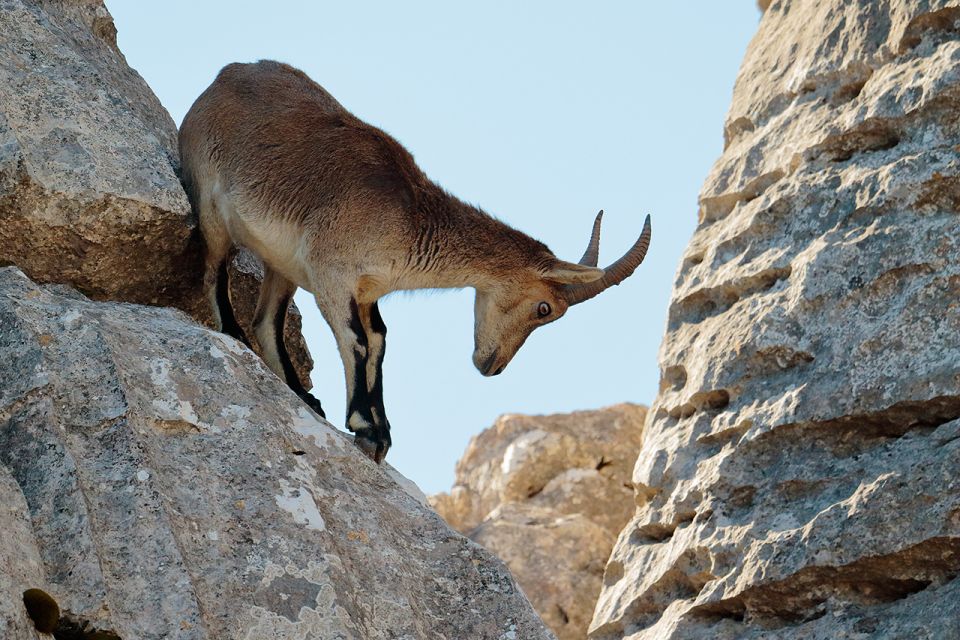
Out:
{"x": 543, "y": 309}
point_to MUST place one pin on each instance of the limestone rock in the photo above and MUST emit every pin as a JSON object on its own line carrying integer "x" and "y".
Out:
{"x": 89, "y": 193}
{"x": 798, "y": 477}
{"x": 88, "y": 187}
{"x": 548, "y": 495}
{"x": 20, "y": 563}
{"x": 159, "y": 482}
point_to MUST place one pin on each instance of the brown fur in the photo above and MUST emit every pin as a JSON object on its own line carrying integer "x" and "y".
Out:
{"x": 338, "y": 207}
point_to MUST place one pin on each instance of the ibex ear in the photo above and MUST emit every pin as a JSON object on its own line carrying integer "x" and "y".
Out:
{"x": 572, "y": 273}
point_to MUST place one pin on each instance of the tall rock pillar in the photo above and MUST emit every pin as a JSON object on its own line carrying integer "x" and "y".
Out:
{"x": 799, "y": 472}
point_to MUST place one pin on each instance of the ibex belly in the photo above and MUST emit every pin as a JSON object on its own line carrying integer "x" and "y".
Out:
{"x": 276, "y": 242}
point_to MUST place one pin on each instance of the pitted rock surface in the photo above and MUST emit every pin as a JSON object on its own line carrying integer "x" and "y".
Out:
{"x": 798, "y": 477}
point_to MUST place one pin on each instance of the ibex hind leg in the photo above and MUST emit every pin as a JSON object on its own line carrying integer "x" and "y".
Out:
{"x": 275, "y": 294}
{"x": 216, "y": 279}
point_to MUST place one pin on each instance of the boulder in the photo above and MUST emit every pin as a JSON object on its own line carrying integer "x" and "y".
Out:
{"x": 798, "y": 472}
{"x": 158, "y": 482}
{"x": 89, "y": 193}
{"x": 548, "y": 495}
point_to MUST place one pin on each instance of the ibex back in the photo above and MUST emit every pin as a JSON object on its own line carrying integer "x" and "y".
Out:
{"x": 273, "y": 162}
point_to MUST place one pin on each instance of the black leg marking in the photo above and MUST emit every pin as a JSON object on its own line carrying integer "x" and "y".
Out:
{"x": 356, "y": 325}
{"x": 360, "y": 401}
{"x": 289, "y": 373}
{"x": 374, "y": 440}
{"x": 376, "y": 390}
{"x": 376, "y": 320}
{"x": 227, "y": 319}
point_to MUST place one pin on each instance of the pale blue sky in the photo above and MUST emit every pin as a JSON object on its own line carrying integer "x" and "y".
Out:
{"x": 542, "y": 113}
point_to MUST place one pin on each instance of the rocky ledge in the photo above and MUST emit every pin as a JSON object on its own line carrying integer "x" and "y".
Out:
{"x": 89, "y": 193}
{"x": 158, "y": 482}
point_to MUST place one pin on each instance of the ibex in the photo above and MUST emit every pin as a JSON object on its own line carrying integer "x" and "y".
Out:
{"x": 329, "y": 203}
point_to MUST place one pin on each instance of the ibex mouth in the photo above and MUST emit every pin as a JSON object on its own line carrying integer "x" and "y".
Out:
{"x": 487, "y": 367}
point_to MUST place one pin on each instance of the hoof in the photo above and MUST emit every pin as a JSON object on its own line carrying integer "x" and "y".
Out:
{"x": 313, "y": 403}
{"x": 373, "y": 445}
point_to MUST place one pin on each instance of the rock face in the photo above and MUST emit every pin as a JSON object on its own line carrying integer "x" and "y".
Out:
{"x": 89, "y": 193}
{"x": 158, "y": 482}
{"x": 88, "y": 186}
{"x": 548, "y": 495}
{"x": 798, "y": 477}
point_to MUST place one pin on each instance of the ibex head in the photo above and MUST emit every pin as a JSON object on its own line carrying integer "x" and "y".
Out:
{"x": 505, "y": 315}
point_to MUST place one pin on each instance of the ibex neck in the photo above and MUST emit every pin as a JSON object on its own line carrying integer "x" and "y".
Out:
{"x": 458, "y": 245}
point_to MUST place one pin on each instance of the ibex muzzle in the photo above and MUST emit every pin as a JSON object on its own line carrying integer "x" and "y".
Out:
{"x": 506, "y": 315}
{"x": 273, "y": 162}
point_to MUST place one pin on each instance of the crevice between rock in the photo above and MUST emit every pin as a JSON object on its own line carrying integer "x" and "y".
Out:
{"x": 712, "y": 301}
{"x": 866, "y": 582}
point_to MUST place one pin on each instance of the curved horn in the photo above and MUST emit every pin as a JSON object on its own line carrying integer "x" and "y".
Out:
{"x": 592, "y": 254}
{"x": 615, "y": 273}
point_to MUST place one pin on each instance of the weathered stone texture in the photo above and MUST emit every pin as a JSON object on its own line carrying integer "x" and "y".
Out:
{"x": 798, "y": 477}
{"x": 89, "y": 193}
{"x": 548, "y": 495}
{"x": 88, "y": 187}
{"x": 158, "y": 481}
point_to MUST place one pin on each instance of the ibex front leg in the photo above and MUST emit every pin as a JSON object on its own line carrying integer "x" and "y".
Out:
{"x": 361, "y": 339}
{"x": 376, "y": 332}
